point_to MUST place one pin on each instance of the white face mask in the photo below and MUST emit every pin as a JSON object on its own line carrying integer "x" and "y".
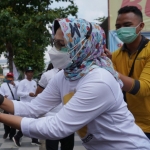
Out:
{"x": 59, "y": 59}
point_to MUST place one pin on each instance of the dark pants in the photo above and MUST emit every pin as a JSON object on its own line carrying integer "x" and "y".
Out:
{"x": 20, "y": 134}
{"x": 67, "y": 143}
{"x": 9, "y": 130}
{"x": 148, "y": 135}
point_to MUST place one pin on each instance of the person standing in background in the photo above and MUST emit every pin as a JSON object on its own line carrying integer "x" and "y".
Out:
{"x": 26, "y": 92}
{"x": 67, "y": 143}
{"x": 9, "y": 90}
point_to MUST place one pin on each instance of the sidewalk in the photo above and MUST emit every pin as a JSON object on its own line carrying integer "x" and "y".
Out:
{"x": 26, "y": 143}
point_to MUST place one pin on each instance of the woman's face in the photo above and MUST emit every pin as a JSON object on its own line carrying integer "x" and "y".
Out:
{"x": 59, "y": 40}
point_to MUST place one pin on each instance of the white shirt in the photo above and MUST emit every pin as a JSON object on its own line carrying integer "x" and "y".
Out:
{"x": 95, "y": 106}
{"x": 25, "y": 87}
{"x": 45, "y": 78}
{"x": 5, "y": 91}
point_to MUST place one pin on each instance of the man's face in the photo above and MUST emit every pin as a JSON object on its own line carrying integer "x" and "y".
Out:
{"x": 129, "y": 20}
{"x": 29, "y": 74}
{"x": 9, "y": 79}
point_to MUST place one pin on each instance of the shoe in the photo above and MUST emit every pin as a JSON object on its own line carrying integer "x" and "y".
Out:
{"x": 5, "y": 136}
{"x": 16, "y": 142}
{"x": 36, "y": 143}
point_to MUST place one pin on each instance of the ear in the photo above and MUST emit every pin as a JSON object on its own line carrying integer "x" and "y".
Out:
{"x": 142, "y": 25}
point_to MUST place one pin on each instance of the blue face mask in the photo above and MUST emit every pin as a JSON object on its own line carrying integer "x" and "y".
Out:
{"x": 127, "y": 34}
{"x": 8, "y": 81}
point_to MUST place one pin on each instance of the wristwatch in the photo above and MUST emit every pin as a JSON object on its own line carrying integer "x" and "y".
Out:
{"x": 1, "y": 99}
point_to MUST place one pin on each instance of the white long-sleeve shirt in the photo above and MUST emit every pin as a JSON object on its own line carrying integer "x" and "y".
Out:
{"x": 45, "y": 78}
{"x": 25, "y": 87}
{"x": 93, "y": 106}
{"x": 5, "y": 91}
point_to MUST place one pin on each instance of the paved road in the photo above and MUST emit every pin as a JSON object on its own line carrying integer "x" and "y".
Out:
{"x": 26, "y": 143}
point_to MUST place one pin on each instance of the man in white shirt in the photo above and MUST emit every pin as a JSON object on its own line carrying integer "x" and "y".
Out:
{"x": 9, "y": 89}
{"x": 26, "y": 92}
{"x": 67, "y": 143}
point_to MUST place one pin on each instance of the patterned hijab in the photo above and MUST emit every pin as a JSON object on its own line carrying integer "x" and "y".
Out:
{"x": 87, "y": 49}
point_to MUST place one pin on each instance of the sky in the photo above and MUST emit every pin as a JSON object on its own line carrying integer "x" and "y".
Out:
{"x": 87, "y": 9}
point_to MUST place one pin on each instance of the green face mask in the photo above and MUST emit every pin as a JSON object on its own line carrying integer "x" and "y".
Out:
{"x": 127, "y": 34}
{"x": 64, "y": 49}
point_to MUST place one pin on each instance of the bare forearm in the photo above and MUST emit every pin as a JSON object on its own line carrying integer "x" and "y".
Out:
{"x": 38, "y": 90}
{"x": 11, "y": 120}
{"x": 8, "y": 106}
{"x": 127, "y": 82}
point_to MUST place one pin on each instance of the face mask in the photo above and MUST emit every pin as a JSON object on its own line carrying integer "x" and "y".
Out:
{"x": 8, "y": 81}
{"x": 127, "y": 34}
{"x": 61, "y": 58}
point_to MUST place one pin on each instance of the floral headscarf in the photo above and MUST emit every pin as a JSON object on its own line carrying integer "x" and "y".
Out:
{"x": 89, "y": 57}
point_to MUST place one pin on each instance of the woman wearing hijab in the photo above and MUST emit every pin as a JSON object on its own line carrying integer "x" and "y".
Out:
{"x": 89, "y": 88}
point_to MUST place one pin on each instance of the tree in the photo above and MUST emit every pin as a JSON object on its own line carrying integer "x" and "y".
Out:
{"x": 1, "y": 70}
{"x": 24, "y": 35}
{"x": 101, "y": 19}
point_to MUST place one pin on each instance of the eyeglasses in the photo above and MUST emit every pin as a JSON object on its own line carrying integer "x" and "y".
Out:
{"x": 58, "y": 43}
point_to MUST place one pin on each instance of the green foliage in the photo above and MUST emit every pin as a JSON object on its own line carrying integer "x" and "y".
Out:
{"x": 23, "y": 29}
{"x": 101, "y": 19}
{"x": 1, "y": 70}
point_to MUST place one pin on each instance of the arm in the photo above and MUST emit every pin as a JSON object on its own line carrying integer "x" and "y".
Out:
{"x": 20, "y": 90}
{"x": 140, "y": 84}
{"x": 83, "y": 107}
{"x": 8, "y": 119}
{"x": 41, "y": 104}
{"x": 127, "y": 81}
{"x": 41, "y": 85}
{"x": 38, "y": 90}
{"x": 2, "y": 90}
{"x": 8, "y": 106}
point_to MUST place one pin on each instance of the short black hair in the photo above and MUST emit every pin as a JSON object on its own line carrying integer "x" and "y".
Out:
{"x": 133, "y": 9}
{"x": 56, "y": 26}
{"x": 50, "y": 66}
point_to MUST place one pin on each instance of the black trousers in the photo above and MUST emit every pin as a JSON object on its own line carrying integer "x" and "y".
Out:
{"x": 20, "y": 134}
{"x": 67, "y": 143}
{"x": 148, "y": 135}
{"x": 9, "y": 130}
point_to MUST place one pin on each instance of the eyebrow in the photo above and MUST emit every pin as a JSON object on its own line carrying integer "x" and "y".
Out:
{"x": 123, "y": 23}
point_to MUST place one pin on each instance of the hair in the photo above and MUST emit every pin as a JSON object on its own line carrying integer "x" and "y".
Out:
{"x": 132, "y": 9}
{"x": 50, "y": 66}
{"x": 56, "y": 26}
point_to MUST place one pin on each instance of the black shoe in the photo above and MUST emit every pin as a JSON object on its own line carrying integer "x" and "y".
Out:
{"x": 17, "y": 142}
{"x": 36, "y": 143}
{"x": 5, "y": 136}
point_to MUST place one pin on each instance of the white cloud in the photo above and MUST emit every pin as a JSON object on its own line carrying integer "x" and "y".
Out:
{"x": 87, "y": 9}
{"x": 91, "y": 9}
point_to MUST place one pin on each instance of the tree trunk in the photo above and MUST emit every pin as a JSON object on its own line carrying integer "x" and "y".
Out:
{"x": 10, "y": 56}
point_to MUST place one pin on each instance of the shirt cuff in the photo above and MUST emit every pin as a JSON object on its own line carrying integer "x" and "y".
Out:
{"x": 135, "y": 87}
{"x": 25, "y": 126}
{"x": 16, "y": 108}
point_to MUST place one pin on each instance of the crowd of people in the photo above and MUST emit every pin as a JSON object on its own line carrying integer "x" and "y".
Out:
{"x": 21, "y": 91}
{"x": 104, "y": 97}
